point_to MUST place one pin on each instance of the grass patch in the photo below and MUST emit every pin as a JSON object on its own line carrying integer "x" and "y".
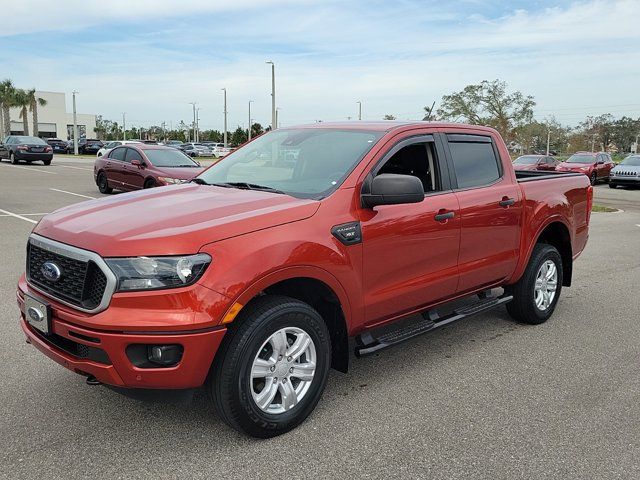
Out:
{"x": 602, "y": 208}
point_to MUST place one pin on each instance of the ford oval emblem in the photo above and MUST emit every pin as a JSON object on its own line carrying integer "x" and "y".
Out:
{"x": 35, "y": 314}
{"x": 51, "y": 271}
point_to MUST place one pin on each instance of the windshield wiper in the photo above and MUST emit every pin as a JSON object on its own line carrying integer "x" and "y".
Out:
{"x": 254, "y": 186}
{"x": 199, "y": 181}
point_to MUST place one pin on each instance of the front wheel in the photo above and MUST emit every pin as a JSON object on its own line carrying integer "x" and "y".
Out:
{"x": 593, "y": 178}
{"x": 272, "y": 368}
{"x": 536, "y": 294}
{"x": 149, "y": 183}
{"x": 612, "y": 185}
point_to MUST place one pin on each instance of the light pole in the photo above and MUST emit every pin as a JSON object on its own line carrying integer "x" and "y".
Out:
{"x": 194, "y": 120}
{"x": 225, "y": 117}
{"x": 277, "y": 114}
{"x": 359, "y": 109}
{"x": 274, "y": 122}
{"x": 548, "y": 138}
{"x": 249, "y": 129}
{"x": 124, "y": 126}
{"x": 198, "y": 124}
{"x": 75, "y": 125}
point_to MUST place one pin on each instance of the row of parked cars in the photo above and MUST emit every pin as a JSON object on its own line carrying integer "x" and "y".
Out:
{"x": 598, "y": 166}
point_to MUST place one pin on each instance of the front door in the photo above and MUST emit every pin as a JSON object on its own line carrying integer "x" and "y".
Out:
{"x": 410, "y": 251}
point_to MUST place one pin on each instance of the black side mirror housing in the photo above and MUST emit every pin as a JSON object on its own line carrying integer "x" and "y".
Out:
{"x": 392, "y": 189}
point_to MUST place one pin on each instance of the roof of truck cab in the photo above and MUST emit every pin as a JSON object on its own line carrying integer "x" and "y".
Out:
{"x": 386, "y": 125}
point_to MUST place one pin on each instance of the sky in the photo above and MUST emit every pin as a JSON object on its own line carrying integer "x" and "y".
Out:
{"x": 151, "y": 58}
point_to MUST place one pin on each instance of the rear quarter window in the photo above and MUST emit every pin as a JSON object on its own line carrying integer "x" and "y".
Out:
{"x": 474, "y": 162}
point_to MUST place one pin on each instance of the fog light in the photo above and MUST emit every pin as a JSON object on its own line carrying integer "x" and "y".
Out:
{"x": 165, "y": 355}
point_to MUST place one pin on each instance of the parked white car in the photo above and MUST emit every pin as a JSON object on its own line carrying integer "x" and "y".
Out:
{"x": 113, "y": 144}
{"x": 218, "y": 149}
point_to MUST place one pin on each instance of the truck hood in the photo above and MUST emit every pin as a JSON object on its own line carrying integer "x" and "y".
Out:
{"x": 170, "y": 220}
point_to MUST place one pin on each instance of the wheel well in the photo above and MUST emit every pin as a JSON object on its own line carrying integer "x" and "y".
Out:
{"x": 321, "y": 297}
{"x": 557, "y": 235}
{"x": 150, "y": 180}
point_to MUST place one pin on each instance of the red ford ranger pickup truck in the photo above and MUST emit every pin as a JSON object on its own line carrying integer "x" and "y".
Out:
{"x": 252, "y": 279}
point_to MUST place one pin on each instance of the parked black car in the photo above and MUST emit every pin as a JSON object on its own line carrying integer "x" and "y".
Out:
{"x": 58, "y": 145}
{"x": 29, "y": 149}
{"x": 89, "y": 146}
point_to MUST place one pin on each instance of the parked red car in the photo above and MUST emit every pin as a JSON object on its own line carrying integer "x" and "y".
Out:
{"x": 251, "y": 279}
{"x": 596, "y": 166}
{"x": 535, "y": 162}
{"x": 133, "y": 167}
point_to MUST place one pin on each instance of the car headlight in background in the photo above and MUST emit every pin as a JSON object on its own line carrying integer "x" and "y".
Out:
{"x": 584, "y": 169}
{"x": 148, "y": 273}
{"x": 169, "y": 180}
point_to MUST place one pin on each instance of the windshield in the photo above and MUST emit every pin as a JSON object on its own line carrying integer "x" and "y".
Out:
{"x": 169, "y": 158}
{"x": 527, "y": 160}
{"x": 33, "y": 140}
{"x": 305, "y": 162}
{"x": 581, "y": 159}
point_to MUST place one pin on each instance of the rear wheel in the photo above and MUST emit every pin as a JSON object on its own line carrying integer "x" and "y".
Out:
{"x": 593, "y": 178}
{"x": 103, "y": 183}
{"x": 536, "y": 294}
{"x": 13, "y": 159}
{"x": 272, "y": 368}
{"x": 47, "y": 162}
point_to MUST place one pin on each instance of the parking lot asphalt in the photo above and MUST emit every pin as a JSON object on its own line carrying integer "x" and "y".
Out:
{"x": 483, "y": 398}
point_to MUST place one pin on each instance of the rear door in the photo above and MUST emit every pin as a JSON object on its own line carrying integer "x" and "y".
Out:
{"x": 490, "y": 211}
{"x": 410, "y": 251}
{"x": 114, "y": 167}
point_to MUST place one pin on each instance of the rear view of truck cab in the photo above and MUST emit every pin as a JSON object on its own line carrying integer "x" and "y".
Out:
{"x": 250, "y": 279}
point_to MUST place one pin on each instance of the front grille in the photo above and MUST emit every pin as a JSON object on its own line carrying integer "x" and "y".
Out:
{"x": 82, "y": 283}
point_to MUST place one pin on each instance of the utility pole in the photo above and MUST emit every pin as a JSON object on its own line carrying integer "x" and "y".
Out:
{"x": 75, "y": 125}
{"x": 249, "y": 129}
{"x": 359, "y": 109}
{"x": 194, "y": 120}
{"x": 274, "y": 122}
{"x": 225, "y": 116}
{"x": 548, "y": 138}
{"x": 124, "y": 126}
{"x": 198, "y": 124}
{"x": 277, "y": 111}
{"x": 164, "y": 131}
{"x": 637, "y": 137}
{"x": 593, "y": 142}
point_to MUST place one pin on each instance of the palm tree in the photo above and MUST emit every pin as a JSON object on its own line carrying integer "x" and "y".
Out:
{"x": 34, "y": 101}
{"x": 21, "y": 100}
{"x": 7, "y": 92}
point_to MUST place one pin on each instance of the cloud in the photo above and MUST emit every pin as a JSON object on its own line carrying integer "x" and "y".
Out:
{"x": 151, "y": 58}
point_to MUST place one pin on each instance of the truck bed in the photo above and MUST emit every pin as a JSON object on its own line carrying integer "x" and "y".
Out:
{"x": 532, "y": 175}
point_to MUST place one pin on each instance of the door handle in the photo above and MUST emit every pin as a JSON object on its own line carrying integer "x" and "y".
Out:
{"x": 507, "y": 202}
{"x": 444, "y": 216}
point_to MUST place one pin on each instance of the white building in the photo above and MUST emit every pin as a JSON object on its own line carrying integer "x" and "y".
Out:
{"x": 54, "y": 120}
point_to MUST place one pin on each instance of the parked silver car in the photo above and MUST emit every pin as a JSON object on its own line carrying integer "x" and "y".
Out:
{"x": 626, "y": 172}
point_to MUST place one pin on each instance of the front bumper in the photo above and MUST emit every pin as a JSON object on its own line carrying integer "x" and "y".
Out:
{"x": 93, "y": 350}
{"x": 624, "y": 180}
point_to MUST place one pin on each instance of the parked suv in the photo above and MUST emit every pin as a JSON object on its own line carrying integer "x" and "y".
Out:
{"x": 251, "y": 278}
{"x": 626, "y": 173}
{"x": 137, "y": 166}
{"x": 89, "y": 146}
{"x": 58, "y": 145}
{"x": 596, "y": 166}
{"x": 30, "y": 149}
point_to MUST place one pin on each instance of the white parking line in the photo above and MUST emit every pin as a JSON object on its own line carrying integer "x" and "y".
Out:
{"x": 31, "y": 169}
{"x": 10, "y": 214}
{"x": 25, "y": 214}
{"x": 77, "y": 168}
{"x": 71, "y": 193}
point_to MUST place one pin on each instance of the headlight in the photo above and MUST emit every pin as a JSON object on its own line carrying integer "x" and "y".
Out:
{"x": 170, "y": 180}
{"x": 148, "y": 273}
{"x": 584, "y": 169}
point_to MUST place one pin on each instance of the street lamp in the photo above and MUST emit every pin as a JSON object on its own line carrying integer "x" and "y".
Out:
{"x": 75, "y": 125}
{"x": 273, "y": 95}
{"x": 359, "y": 109}
{"x": 197, "y": 124}
{"x": 124, "y": 126}
{"x": 225, "y": 116}
{"x": 194, "y": 120}
{"x": 249, "y": 134}
{"x": 277, "y": 114}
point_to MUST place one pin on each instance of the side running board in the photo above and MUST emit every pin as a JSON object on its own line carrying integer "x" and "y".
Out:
{"x": 367, "y": 343}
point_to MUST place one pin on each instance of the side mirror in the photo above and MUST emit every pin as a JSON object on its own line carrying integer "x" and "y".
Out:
{"x": 393, "y": 189}
{"x": 136, "y": 163}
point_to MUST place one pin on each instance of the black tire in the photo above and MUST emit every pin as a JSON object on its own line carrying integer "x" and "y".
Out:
{"x": 594, "y": 178}
{"x": 13, "y": 159}
{"x": 523, "y": 307}
{"x": 612, "y": 185}
{"x": 103, "y": 184}
{"x": 47, "y": 162}
{"x": 149, "y": 183}
{"x": 230, "y": 381}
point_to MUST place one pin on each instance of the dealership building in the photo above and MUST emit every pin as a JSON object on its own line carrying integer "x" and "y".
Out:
{"x": 53, "y": 119}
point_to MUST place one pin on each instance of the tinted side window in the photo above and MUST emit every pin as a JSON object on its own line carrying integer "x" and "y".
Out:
{"x": 133, "y": 155}
{"x": 418, "y": 160}
{"x": 475, "y": 164}
{"x": 117, "y": 154}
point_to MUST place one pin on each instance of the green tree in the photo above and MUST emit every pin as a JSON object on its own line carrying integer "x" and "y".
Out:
{"x": 624, "y": 133}
{"x": 239, "y": 136}
{"x": 7, "y": 100}
{"x": 600, "y": 130}
{"x": 34, "y": 103}
{"x": 489, "y": 103}
{"x": 256, "y": 129}
{"x": 388, "y": 117}
{"x": 22, "y": 101}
